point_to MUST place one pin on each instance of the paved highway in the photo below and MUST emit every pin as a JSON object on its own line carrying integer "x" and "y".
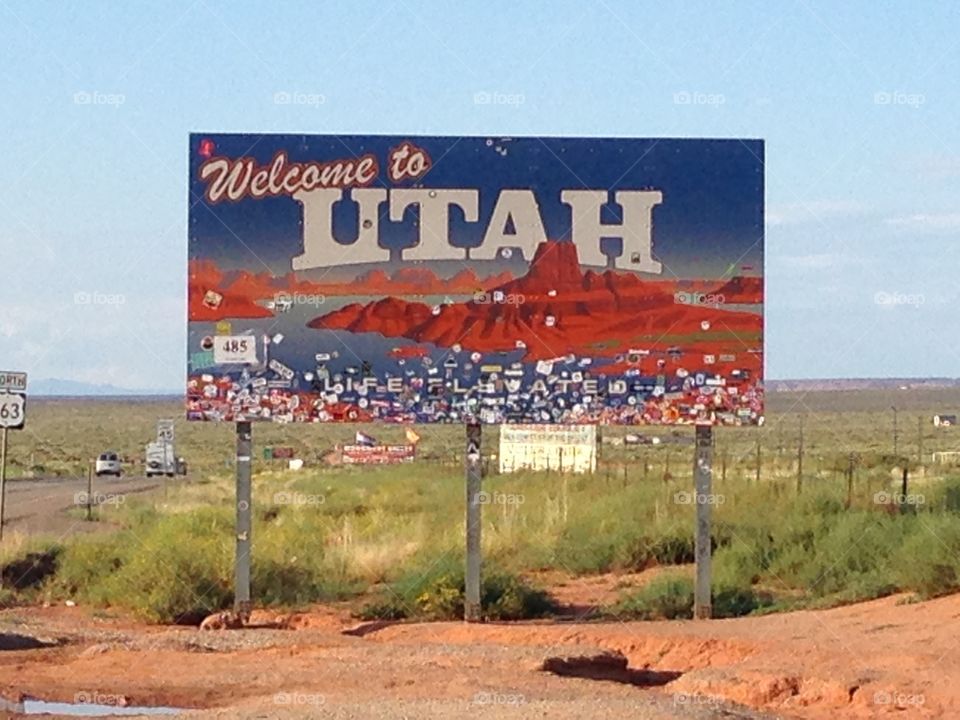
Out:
{"x": 54, "y": 505}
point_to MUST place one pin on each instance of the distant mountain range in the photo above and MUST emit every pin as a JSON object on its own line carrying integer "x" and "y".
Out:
{"x": 56, "y": 387}
{"x": 814, "y": 384}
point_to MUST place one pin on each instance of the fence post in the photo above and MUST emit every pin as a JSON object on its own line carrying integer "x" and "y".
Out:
{"x": 800, "y": 459}
{"x": 850, "y": 469}
{"x": 759, "y": 456}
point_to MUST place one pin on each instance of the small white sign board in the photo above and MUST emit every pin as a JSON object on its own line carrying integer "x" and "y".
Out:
{"x": 235, "y": 350}
{"x": 565, "y": 448}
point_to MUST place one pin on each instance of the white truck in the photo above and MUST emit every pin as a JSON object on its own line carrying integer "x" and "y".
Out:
{"x": 160, "y": 459}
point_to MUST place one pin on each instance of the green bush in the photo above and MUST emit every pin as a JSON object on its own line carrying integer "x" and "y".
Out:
{"x": 735, "y": 601}
{"x": 8, "y": 598}
{"x": 928, "y": 562}
{"x": 440, "y": 596}
{"x": 667, "y": 597}
{"x": 87, "y": 561}
{"x": 670, "y": 597}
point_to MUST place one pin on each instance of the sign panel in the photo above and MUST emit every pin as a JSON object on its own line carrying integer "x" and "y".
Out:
{"x": 378, "y": 454}
{"x": 13, "y": 381}
{"x": 444, "y": 279}
{"x": 566, "y": 448}
{"x": 13, "y": 410}
{"x": 165, "y": 431}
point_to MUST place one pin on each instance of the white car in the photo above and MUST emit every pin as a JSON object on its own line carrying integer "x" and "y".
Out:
{"x": 109, "y": 464}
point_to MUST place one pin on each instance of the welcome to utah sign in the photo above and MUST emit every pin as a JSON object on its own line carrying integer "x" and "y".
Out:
{"x": 432, "y": 279}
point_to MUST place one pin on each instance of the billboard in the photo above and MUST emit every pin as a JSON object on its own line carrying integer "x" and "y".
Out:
{"x": 511, "y": 280}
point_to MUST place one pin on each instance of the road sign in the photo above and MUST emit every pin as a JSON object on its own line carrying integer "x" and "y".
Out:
{"x": 13, "y": 410}
{"x": 13, "y": 381}
{"x": 514, "y": 280}
{"x": 165, "y": 431}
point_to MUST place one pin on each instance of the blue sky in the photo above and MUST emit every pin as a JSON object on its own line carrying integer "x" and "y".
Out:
{"x": 858, "y": 107}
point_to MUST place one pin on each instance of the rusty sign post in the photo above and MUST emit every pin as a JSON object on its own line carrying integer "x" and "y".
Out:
{"x": 13, "y": 413}
{"x": 3, "y": 475}
{"x": 703, "y": 499}
{"x": 471, "y": 604}
{"x": 241, "y": 598}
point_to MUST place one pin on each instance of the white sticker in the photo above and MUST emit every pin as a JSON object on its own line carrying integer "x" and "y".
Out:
{"x": 282, "y": 370}
{"x": 234, "y": 350}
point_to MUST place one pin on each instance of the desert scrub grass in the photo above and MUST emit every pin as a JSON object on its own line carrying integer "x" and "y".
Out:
{"x": 85, "y": 564}
{"x": 928, "y": 561}
{"x": 26, "y": 564}
{"x": 670, "y": 597}
{"x": 437, "y": 593}
{"x": 178, "y": 569}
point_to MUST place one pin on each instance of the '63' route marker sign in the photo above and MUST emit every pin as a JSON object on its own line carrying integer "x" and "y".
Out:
{"x": 13, "y": 410}
{"x": 13, "y": 399}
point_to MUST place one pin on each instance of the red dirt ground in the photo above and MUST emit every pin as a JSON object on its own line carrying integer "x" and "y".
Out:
{"x": 877, "y": 659}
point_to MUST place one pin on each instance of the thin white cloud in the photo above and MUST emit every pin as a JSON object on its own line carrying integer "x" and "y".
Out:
{"x": 813, "y": 261}
{"x": 926, "y": 222}
{"x": 811, "y": 212}
{"x": 936, "y": 166}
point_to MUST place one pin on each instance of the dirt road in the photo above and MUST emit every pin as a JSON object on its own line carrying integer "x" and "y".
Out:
{"x": 55, "y": 505}
{"x": 879, "y": 659}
